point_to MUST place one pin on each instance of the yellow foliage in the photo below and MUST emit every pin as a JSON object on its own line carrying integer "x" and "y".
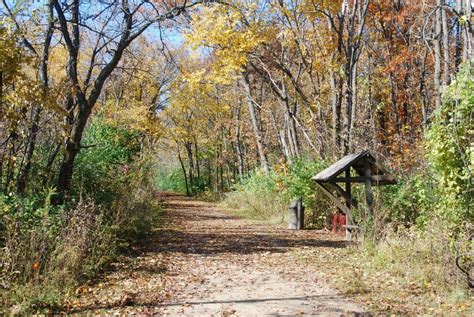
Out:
{"x": 136, "y": 117}
{"x": 231, "y": 36}
{"x": 12, "y": 56}
{"x": 198, "y": 105}
{"x": 21, "y": 89}
{"x": 132, "y": 96}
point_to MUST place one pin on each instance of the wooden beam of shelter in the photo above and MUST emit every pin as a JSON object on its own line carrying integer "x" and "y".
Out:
{"x": 361, "y": 179}
{"x": 335, "y": 200}
{"x": 346, "y": 195}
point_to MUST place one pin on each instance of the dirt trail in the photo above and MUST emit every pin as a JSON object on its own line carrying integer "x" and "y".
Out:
{"x": 207, "y": 263}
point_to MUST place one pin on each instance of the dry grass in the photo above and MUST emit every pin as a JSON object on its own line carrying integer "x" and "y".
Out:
{"x": 406, "y": 273}
{"x": 42, "y": 265}
{"x": 43, "y": 262}
{"x": 266, "y": 206}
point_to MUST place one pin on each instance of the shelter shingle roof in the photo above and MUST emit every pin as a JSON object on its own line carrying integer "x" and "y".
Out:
{"x": 357, "y": 162}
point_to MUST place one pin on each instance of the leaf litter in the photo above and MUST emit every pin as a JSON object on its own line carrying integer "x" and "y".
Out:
{"x": 205, "y": 262}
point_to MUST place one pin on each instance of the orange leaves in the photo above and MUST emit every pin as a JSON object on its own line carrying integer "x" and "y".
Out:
{"x": 83, "y": 290}
{"x": 36, "y": 266}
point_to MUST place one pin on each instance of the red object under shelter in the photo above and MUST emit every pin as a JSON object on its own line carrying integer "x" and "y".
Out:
{"x": 338, "y": 223}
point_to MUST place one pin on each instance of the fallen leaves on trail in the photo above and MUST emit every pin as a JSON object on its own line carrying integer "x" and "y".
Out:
{"x": 83, "y": 290}
{"x": 202, "y": 254}
{"x": 228, "y": 312}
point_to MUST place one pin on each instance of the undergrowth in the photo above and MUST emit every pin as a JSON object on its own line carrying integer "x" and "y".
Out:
{"x": 409, "y": 272}
{"x": 258, "y": 197}
{"x": 48, "y": 251}
{"x": 268, "y": 196}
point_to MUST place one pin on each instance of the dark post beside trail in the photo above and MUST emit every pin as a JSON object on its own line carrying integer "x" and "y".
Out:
{"x": 370, "y": 173}
{"x": 296, "y": 215}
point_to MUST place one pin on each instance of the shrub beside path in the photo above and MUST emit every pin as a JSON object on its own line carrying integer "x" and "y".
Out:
{"x": 205, "y": 262}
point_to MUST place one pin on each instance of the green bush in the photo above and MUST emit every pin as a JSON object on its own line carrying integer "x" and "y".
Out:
{"x": 299, "y": 183}
{"x": 410, "y": 201}
{"x": 451, "y": 150}
{"x": 136, "y": 210}
{"x": 171, "y": 180}
{"x": 100, "y": 168}
{"x": 30, "y": 210}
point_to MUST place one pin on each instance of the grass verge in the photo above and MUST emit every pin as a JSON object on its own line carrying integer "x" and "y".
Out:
{"x": 407, "y": 273}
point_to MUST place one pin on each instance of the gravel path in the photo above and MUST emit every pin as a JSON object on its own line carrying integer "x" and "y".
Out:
{"x": 207, "y": 263}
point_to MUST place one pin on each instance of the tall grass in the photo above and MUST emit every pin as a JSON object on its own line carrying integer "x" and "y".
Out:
{"x": 268, "y": 196}
{"x": 41, "y": 261}
{"x": 424, "y": 256}
{"x": 259, "y": 197}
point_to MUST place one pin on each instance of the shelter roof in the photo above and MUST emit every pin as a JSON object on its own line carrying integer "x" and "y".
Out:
{"x": 357, "y": 161}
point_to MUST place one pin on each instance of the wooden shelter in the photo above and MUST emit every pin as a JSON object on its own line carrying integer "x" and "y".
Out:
{"x": 369, "y": 172}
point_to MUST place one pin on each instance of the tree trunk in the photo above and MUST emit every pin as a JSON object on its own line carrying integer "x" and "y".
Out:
{"x": 291, "y": 116}
{"x": 346, "y": 129}
{"x": 372, "y": 138}
{"x": 209, "y": 172}
{"x": 255, "y": 125}
{"x": 423, "y": 93}
{"x": 183, "y": 169}
{"x": 189, "y": 151}
{"x": 292, "y": 133}
{"x": 72, "y": 148}
{"x": 238, "y": 145}
{"x": 470, "y": 36}
{"x": 1, "y": 92}
{"x": 336, "y": 102}
{"x": 24, "y": 172}
{"x": 49, "y": 164}
{"x": 9, "y": 169}
{"x": 437, "y": 57}
{"x": 354, "y": 105}
{"x": 446, "y": 55}
{"x": 459, "y": 32}
{"x": 221, "y": 172}
{"x": 196, "y": 156}
{"x": 2, "y": 158}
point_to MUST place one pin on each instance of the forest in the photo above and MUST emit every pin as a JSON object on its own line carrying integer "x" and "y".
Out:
{"x": 105, "y": 105}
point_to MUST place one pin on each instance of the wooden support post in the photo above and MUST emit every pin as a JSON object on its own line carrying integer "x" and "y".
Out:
{"x": 296, "y": 215}
{"x": 300, "y": 213}
{"x": 348, "y": 203}
{"x": 348, "y": 188}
